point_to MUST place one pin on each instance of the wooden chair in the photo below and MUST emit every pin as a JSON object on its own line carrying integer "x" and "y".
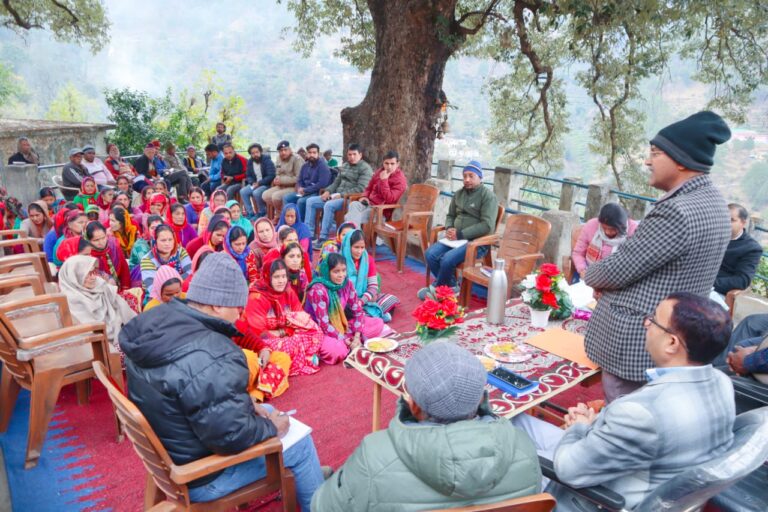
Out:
{"x": 416, "y": 220}
{"x": 543, "y": 502}
{"x": 27, "y": 263}
{"x": 433, "y": 239}
{"x": 520, "y": 246}
{"x": 165, "y": 477}
{"x": 568, "y": 267}
{"x": 42, "y": 355}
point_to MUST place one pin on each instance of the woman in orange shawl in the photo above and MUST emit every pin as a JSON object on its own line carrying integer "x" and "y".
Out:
{"x": 122, "y": 228}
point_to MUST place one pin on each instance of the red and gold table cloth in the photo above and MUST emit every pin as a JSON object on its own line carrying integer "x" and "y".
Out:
{"x": 554, "y": 373}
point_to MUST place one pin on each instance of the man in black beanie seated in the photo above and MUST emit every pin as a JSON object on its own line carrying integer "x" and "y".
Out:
{"x": 678, "y": 247}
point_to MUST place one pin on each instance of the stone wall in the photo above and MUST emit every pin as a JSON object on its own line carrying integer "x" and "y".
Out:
{"x": 51, "y": 139}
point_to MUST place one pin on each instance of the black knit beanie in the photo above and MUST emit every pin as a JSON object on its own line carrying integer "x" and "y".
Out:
{"x": 691, "y": 142}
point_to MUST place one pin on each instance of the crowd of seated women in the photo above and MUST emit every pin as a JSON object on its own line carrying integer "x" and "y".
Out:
{"x": 119, "y": 253}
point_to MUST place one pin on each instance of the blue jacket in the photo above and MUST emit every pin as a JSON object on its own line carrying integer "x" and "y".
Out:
{"x": 267, "y": 172}
{"x": 314, "y": 177}
{"x": 214, "y": 174}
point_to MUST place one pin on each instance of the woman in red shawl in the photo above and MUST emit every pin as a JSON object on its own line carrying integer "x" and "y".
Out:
{"x": 104, "y": 202}
{"x": 146, "y": 196}
{"x": 213, "y": 236}
{"x": 274, "y": 320}
{"x": 177, "y": 219}
{"x": 111, "y": 259}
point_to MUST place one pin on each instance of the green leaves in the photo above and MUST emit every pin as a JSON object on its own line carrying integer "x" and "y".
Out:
{"x": 76, "y": 21}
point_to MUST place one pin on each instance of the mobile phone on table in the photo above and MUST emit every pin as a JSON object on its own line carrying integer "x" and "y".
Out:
{"x": 510, "y": 382}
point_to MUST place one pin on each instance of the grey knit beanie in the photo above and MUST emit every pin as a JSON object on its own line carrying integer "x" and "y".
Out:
{"x": 446, "y": 381}
{"x": 219, "y": 282}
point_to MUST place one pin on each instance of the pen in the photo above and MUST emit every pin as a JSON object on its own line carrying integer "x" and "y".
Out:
{"x": 288, "y": 413}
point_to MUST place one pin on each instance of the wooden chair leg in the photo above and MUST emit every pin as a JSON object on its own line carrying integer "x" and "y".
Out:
{"x": 116, "y": 371}
{"x": 373, "y": 249}
{"x": 152, "y": 494}
{"x": 45, "y": 393}
{"x": 402, "y": 245}
{"x": 465, "y": 292}
{"x": 83, "y": 388}
{"x": 288, "y": 491}
{"x": 9, "y": 391}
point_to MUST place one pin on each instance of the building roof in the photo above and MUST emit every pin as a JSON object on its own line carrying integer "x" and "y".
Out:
{"x": 27, "y": 127}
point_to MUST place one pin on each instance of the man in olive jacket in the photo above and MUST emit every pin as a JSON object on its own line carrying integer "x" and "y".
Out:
{"x": 443, "y": 449}
{"x": 189, "y": 380}
{"x": 472, "y": 214}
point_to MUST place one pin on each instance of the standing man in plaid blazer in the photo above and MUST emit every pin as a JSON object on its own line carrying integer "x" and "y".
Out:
{"x": 678, "y": 247}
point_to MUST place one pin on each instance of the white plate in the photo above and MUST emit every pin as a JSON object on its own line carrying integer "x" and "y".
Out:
{"x": 391, "y": 345}
{"x": 517, "y": 356}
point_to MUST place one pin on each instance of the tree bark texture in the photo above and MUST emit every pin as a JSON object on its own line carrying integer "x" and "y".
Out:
{"x": 414, "y": 40}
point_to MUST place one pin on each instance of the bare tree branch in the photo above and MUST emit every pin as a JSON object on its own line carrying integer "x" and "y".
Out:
{"x": 17, "y": 19}
{"x": 75, "y": 19}
{"x": 487, "y": 13}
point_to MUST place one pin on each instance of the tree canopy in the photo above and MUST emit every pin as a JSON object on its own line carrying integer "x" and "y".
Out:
{"x": 76, "y": 21}
{"x": 611, "y": 45}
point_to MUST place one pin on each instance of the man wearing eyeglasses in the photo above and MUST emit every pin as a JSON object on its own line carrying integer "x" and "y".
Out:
{"x": 681, "y": 418}
{"x": 678, "y": 247}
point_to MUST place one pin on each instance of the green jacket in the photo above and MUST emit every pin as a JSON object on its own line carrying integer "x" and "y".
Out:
{"x": 472, "y": 213}
{"x": 424, "y": 466}
{"x": 352, "y": 179}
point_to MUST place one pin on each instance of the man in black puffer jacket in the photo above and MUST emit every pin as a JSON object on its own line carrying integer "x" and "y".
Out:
{"x": 189, "y": 380}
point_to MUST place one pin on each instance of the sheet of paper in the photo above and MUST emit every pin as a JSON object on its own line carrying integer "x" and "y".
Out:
{"x": 565, "y": 344}
{"x": 581, "y": 295}
{"x": 296, "y": 432}
{"x": 453, "y": 244}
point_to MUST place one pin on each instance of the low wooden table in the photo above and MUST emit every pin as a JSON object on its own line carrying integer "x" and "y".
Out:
{"x": 554, "y": 373}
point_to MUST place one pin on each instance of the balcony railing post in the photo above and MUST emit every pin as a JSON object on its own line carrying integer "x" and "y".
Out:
{"x": 21, "y": 181}
{"x": 597, "y": 196}
{"x": 506, "y": 185}
{"x": 568, "y": 194}
{"x": 558, "y": 242}
{"x": 637, "y": 208}
{"x": 445, "y": 170}
{"x": 755, "y": 221}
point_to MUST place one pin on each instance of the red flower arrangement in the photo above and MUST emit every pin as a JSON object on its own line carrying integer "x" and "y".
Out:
{"x": 547, "y": 289}
{"x": 439, "y": 314}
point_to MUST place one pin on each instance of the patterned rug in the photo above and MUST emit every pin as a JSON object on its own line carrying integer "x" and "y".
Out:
{"x": 83, "y": 468}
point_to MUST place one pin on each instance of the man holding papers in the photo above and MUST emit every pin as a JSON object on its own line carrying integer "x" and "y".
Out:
{"x": 472, "y": 214}
{"x": 189, "y": 380}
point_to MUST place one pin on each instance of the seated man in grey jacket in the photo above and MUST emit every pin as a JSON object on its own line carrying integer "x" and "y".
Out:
{"x": 681, "y": 418}
{"x": 444, "y": 448}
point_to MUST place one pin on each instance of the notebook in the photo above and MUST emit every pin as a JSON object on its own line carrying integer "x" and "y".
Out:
{"x": 565, "y": 344}
{"x": 296, "y": 432}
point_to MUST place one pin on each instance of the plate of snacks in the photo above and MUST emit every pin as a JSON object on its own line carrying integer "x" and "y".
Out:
{"x": 507, "y": 352}
{"x": 381, "y": 345}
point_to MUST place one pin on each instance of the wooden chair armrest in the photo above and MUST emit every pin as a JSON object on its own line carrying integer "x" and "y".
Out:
{"x": 433, "y": 233}
{"x": 471, "y": 257}
{"x": 604, "y": 497}
{"x": 730, "y": 298}
{"x": 348, "y": 198}
{"x": 32, "y": 243}
{"x": 71, "y": 336}
{"x": 207, "y": 465}
{"x": 382, "y": 207}
{"x": 11, "y": 281}
{"x": 57, "y": 299}
{"x": 8, "y": 232}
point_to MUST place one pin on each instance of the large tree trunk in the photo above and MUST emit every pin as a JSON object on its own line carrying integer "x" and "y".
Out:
{"x": 402, "y": 103}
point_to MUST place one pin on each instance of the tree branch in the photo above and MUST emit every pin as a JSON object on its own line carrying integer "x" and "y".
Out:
{"x": 526, "y": 48}
{"x": 17, "y": 19}
{"x": 487, "y": 13}
{"x": 75, "y": 19}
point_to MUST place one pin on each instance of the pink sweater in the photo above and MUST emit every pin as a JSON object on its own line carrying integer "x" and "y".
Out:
{"x": 579, "y": 253}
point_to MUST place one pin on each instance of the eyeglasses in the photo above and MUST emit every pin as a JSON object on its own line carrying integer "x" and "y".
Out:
{"x": 652, "y": 319}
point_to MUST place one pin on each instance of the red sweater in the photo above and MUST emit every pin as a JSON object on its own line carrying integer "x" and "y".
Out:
{"x": 387, "y": 191}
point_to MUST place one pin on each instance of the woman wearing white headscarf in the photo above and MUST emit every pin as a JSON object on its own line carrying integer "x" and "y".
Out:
{"x": 91, "y": 298}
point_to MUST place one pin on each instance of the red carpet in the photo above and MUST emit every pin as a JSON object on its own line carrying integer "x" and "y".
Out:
{"x": 336, "y": 402}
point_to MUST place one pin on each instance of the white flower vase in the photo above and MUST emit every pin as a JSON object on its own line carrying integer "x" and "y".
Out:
{"x": 539, "y": 318}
